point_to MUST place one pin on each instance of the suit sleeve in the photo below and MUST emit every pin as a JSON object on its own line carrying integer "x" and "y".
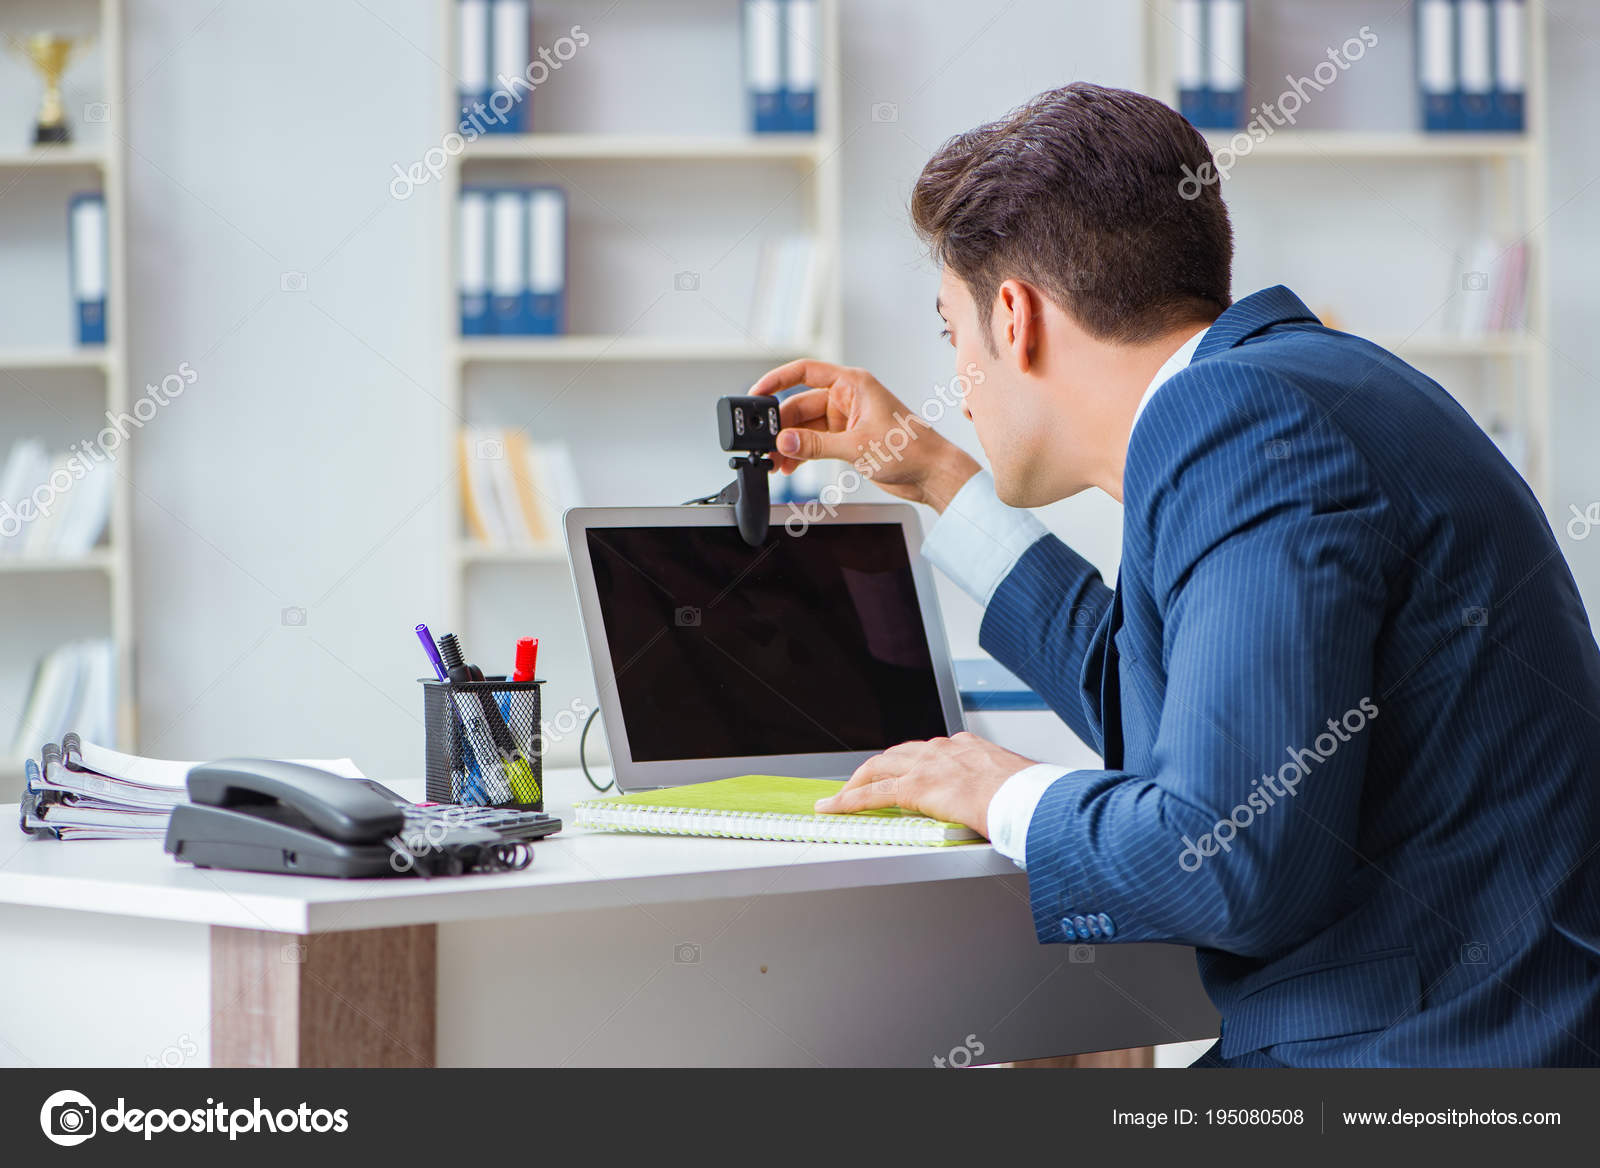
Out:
{"x": 1040, "y": 624}
{"x": 1266, "y": 543}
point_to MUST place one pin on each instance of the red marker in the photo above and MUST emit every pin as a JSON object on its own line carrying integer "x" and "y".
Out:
{"x": 527, "y": 658}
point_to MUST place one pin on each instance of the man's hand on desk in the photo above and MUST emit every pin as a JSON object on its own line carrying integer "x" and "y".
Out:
{"x": 952, "y": 779}
{"x": 851, "y": 416}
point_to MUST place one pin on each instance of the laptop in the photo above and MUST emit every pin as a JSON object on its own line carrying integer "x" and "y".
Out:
{"x": 805, "y": 656}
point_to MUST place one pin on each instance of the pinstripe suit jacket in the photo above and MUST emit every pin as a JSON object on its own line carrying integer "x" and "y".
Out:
{"x": 1349, "y": 704}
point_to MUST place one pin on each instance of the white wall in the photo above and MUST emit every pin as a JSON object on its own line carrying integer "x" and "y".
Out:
{"x": 305, "y": 468}
{"x": 1574, "y": 293}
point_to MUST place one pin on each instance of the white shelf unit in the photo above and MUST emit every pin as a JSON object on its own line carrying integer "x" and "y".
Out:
{"x": 51, "y": 157}
{"x": 1512, "y": 168}
{"x": 531, "y": 350}
{"x": 88, "y": 357}
{"x": 110, "y": 361}
{"x": 799, "y": 149}
{"x": 812, "y": 164}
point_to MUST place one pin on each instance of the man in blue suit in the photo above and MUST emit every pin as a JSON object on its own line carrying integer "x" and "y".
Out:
{"x": 1345, "y": 689}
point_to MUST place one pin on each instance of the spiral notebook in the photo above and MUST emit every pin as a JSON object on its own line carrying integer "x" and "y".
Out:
{"x": 764, "y": 807}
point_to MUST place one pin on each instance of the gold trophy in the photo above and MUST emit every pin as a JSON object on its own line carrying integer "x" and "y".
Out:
{"x": 50, "y": 53}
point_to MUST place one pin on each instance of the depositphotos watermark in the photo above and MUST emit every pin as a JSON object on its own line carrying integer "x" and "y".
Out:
{"x": 511, "y": 89}
{"x": 69, "y": 1118}
{"x": 1267, "y": 119}
{"x": 87, "y": 456}
{"x": 962, "y": 1055}
{"x": 882, "y": 451}
{"x": 1270, "y": 788}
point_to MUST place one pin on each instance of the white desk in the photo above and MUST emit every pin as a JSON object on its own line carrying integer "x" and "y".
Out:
{"x": 609, "y": 950}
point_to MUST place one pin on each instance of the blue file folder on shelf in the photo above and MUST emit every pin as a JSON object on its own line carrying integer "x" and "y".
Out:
{"x": 763, "y": 65}
{"x": 472, "y": 278}
{"x": 802, "y": 52}
{"x": 1436, "y": 64}
{"x": 1475, "y": 64}
{"x": 1511, "y": 66}
{"x": 508, "y": 261}
{"x": 86, "y": 229}
{"x": 547, "y": 261}
{"x": 1190, "y": 72}
{"x": 510, "y": 22}
{"x": 1225, "y": 65}
{"x": 472, "y": 58}
{"x": 985, "y": 684}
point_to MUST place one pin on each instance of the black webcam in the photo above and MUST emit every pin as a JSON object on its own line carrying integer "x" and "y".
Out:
{"x": 748, "y": 423}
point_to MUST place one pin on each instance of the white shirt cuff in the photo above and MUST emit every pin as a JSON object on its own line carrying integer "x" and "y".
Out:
{"x": 1011, "y": 808}
{"x": 978, "y": 539}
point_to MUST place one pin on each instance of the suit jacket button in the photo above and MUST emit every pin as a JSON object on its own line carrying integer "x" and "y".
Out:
{"x": 1106, "y": 926}
{"x": 1082, "y": 924}
{"x": 1068, "y": 930}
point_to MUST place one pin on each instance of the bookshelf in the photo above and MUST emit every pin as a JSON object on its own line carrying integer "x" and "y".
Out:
{"x": 799, "y": 149}
{"x": 533, "y": 350}
{"x": 494, "y": 593}
{"x": 64, "y": 358}
{"x": 1398, "y": 145}
{"x": 52, "y": 158}
{"x": 42, "y": 373}
{"x": 98, "y": 560}
{"x": 1497, "y": 181}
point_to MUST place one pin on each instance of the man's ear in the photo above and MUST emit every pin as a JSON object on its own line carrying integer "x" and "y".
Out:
{"x": 1017, "y": 322}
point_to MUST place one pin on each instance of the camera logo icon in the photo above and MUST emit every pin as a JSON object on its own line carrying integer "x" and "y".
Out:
{"x": 491, "y": 448}
{"x": 1081, "y": 955}
{"x": 686, "y": 617}
{"x": 67, "y": 1118}
{"x": 885, "y": 111}
{"x": 683, "y": 953}
{"x": 1278, "y": 449}
{"x": 97, "y": 111}
{"x": 686, "y": 281}
{"x": 292, "y": 282}
{"x": 1474, "y": 953}
{"x": 293, "y": 617}
{"x": 1474, "y": 281}
{"x": 1475, "y": 617}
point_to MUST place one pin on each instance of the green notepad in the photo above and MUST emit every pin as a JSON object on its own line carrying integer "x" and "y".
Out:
{"x": 765, "y": 807}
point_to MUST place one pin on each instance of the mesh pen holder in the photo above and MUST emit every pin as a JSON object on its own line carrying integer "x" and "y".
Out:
{"x": 484, "y": 745}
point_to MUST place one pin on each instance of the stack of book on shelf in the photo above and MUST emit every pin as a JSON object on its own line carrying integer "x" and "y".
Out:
{"x": 782, "y": 49}
{"x": 1493, "y": 289}
{"x": 787, "y": 299}
{"x": 512, "y": 249}
{"x": 73, "y": 687}
{"x": 1472, "y": 64}
{"x": 1209, "y": 39}
{"x": 78, "y": 790}
{"x": 513, "y": 491}
{"x": 51, "y": 506}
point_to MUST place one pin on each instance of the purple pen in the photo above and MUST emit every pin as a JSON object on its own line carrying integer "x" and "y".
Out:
{"x": 426, "y": 638}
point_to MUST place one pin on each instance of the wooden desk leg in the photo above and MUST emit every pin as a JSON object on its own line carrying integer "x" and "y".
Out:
{"x": 359, "y": 999}
{"x": 1138, "y": 1056}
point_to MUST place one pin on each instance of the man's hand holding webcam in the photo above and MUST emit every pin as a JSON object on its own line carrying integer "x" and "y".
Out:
{"x": 849, "y": 415}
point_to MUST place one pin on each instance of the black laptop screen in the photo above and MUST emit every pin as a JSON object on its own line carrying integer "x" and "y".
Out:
{"x": 810, "y": 644}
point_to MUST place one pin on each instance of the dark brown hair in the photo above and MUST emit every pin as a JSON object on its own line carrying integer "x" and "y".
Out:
{"x": 1080, "y": 192}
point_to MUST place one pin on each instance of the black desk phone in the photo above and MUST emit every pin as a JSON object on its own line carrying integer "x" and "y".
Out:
{"x": 261, "y": 815}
